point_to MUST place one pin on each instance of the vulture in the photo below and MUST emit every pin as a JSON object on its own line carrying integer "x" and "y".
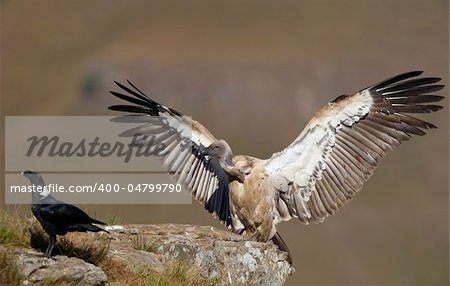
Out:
{"x": 56, "y": 217}
{"x": 312, "y": 178}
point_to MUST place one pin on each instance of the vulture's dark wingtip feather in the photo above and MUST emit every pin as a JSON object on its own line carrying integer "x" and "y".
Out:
{"x": 133, "y": 118}
{"x": 114, "y": 108}
{"x": 411, "y": 73}
{"x": 130, "y": 83}
{"x": 437, "y": 87}
{"x": 129, "y": 108}
{"x": 129, "y": 98}
{"x": 410, "y": 84}
{"x": 395, "y": 79}
{"x": 437, "y": 107}
{"x": 431, "y": 80}
{"x": 132, "y": 92}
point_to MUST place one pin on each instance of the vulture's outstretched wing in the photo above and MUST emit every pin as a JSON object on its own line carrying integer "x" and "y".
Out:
{"x": 342, "y": 144}
{"x": 185, "y": 141}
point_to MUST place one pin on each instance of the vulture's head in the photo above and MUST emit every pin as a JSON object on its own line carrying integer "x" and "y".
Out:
{"x": 222, "y": 151}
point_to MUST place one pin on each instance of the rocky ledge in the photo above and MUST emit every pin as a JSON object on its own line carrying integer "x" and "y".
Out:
{"x": 221, "y": 257}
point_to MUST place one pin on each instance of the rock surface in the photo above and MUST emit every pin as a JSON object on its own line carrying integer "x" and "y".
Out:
{"x": 221, "y": 256}
{"x": 37, "y": 269}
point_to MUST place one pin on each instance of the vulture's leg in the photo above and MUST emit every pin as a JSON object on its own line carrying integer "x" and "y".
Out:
{"x": 278, "y": 241}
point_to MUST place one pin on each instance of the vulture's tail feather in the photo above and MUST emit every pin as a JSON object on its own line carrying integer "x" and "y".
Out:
{"x": 278, "y": 241}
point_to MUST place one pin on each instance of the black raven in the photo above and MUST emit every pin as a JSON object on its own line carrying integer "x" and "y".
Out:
{"x": 57, "y": 217}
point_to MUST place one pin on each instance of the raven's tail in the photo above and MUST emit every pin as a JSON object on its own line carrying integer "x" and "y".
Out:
{"x": 86, "y": 227}
{"x": 98, "y": 222}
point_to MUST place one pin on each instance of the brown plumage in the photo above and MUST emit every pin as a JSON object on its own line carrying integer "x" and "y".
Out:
{"x": 312, "y": 178}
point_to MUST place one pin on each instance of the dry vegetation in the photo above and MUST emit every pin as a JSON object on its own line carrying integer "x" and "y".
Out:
{"x": 82, "y": 246}
{"x": 19, "y": 231}
{"x": 9, "y": 274}
{"x": 140, "y": 242}
{"x": 177, "y": 273}
{"x": 14, "y": 228}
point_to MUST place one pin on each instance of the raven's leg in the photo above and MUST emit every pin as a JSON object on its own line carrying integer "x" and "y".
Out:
{"x": 278, "y": 241}
{"x": 52, "y": 244}
{"x": 48, "y": 247}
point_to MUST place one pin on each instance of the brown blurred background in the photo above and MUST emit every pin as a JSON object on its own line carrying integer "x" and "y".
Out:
{"x": 254, "y": 72}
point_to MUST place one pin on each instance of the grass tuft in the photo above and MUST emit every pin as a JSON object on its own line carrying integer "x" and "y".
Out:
{"x": 92, "y": 251}
{"x": 140, "y": 242}
{"x": 78, "y": 245}
{"x": 112, "y": 219}
{"x": 9, "y": 274}
{"x": 176, "y": 273}
{"x": 14, "y": 228}
{"x": 180, "y": 272}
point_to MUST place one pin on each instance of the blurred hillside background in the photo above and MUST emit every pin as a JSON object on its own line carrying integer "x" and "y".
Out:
{"x": 254, "y": 72}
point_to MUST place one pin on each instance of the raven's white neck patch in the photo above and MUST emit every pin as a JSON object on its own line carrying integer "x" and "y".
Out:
{"x": 43, "y": 194}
